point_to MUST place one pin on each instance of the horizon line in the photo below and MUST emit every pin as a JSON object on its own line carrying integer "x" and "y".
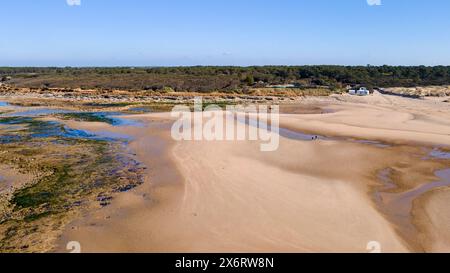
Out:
{"x": 200, "y": 65}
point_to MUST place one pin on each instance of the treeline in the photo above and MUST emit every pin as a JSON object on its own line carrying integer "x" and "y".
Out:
{"x": 223, "y": 78}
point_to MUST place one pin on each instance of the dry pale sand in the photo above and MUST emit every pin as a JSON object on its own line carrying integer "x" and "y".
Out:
{"x": 389, "y": 118}
{"x": 11, "y": 179}
{"x": 305, "y": 197}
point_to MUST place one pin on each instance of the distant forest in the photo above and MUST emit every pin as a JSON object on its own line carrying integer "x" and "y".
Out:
{"x": 221, "y": 78}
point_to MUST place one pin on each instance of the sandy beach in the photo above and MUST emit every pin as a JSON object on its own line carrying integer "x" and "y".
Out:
{"x": 241, "y": 129}
{"x": 308, "y": 196}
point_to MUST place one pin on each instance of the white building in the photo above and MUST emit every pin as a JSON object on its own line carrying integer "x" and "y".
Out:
{"x": 360, "y": 92}
{"x": 363, "y": 92}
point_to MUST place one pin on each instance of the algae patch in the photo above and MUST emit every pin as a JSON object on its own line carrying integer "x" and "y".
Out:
{"x": 88, "y": 117}
{"x": 72, "y": 171}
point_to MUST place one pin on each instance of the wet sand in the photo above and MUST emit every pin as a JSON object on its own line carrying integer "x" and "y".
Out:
{"x": 309, "y": 196}
{"x": 212, "y": 204}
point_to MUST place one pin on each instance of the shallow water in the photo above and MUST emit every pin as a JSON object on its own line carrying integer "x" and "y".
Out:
{"x": 409, "y": 196}
{"x": 118, "y": 121}
{"x": 56, "y": 129}
{"x": 47, "y": 129}
{"x": 113, "y": 118}
{"x": 24, "y": 121}
{"x": 284, "y": 132}
{"x": 37, "y": 112}
{"x": 5, "y": 139}
{"x": 375, "y": 143}
{"x": 398, "y": 206}
{"x": 297, "y": 135}
{"x": 142, "y": 109}
{"x": 440, "y": 154}
{"x": 106, "y": 135}
{"x": 384, "y": 177}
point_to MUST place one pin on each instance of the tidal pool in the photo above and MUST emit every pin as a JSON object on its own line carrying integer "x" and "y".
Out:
{"x": 439, "y": 153}
{"x": 72, "y": 169}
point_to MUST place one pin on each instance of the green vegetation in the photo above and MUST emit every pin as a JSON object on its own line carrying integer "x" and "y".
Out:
{"x": 150, "y": 107}
{"x": 89, "y": 117}
{"x": 46, "y": 191}
{"x": 108, "y": 105}
{"x": 68, "y": 172}
{"x": 220, "y": 104}
{"x": 226, "y": 79}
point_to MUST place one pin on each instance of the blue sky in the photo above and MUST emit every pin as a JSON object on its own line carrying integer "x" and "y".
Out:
{"x": 223, "y": 32}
